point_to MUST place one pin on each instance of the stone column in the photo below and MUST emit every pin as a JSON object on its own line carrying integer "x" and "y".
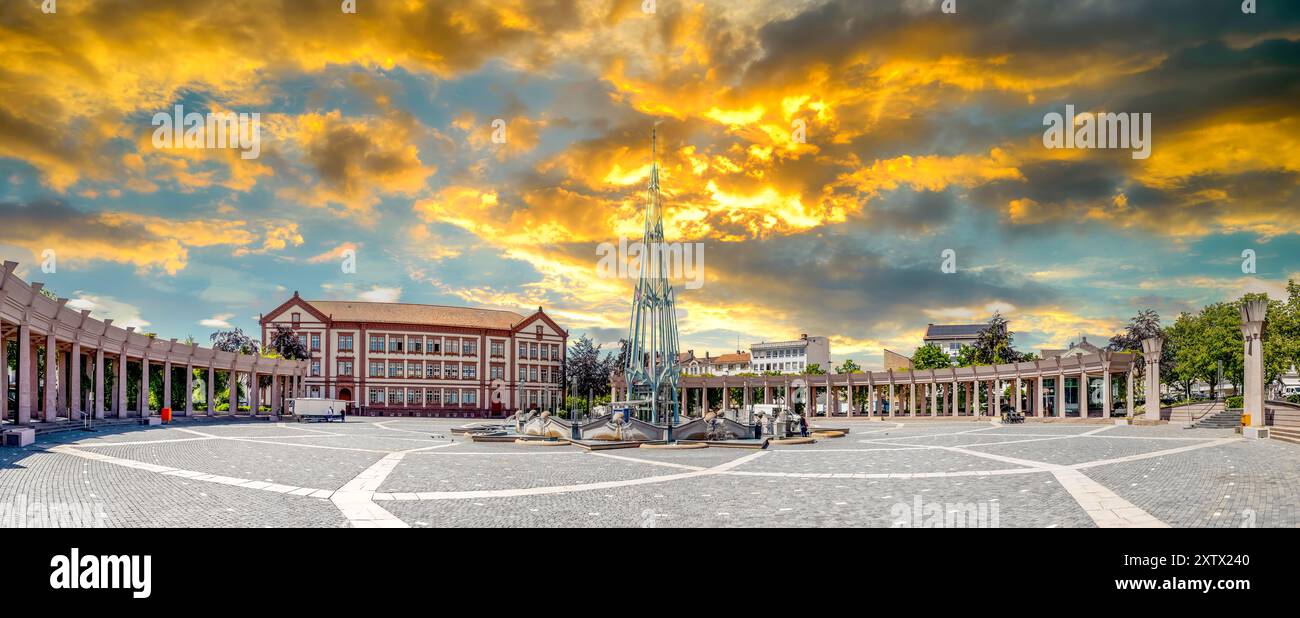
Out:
{"x": 952, "y": 389}
{"x": 189, "y": 388}
{"x": 277, "y": 406}
{"x": 1019, "y": 407}
{"x": 61, "y": 398}
{"x": 144, "y": 387}
{"x": 1060, "y": 395}
{"x": 74, "y": 382}
{"x": 1040, "y": 399}
{"x": 1151, "y": 349}
{"x": 726, "y": 396}
{"x": 233, "y": 400}
{"x": 120, "y": 379}
{"x": 254, "y": 392}
{"x": 1083, "y": 390}
{"x": 1106, "y": 387}
{"x": 211, "y": 388}
{"x": 997, "y": 399}
{"x": 99, "y": 382}
{"x": 767, "y": 394}
{"x": 911, "y": 400}
{"x": 51, "y": 389}
{"x": 167, "y": 385}
{"x": 892, "y": 406}
{"x": 934, "y": 398}
{"x": 1253, "y": 314}
{"x": 1128, "y": 393}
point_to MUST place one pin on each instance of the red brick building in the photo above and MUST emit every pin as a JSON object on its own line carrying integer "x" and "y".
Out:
{"x": 401, "y": 359}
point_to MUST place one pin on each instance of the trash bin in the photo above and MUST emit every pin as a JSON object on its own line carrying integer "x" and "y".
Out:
{"x": 1245, "y": 420}
{"x": 166, "y": 415}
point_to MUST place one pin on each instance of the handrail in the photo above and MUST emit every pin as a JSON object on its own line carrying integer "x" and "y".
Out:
{"x": 1210, "y": 406}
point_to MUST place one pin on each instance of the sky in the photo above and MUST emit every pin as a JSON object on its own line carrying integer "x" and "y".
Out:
{"x": 824, "y": 155}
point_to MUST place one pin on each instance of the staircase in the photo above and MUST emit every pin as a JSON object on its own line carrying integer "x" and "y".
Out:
{"x": 1226, "y": 419}
{"x": 1285, "y": 434}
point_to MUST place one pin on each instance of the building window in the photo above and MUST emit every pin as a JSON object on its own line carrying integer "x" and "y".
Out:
{"x": 498, "y": 349}
{"x": 543, "y": 374}
{"x": 451, "y": 372}
{"x": 414, "y": 370}
{"x": 376, "y": 395}
{"x": 433, "y": 370}
{"x": 376, "y": 369}
{"x": 376, "y": 343}
{"x": 345, "y": 343}
{"x": 315, "y": 391}
{"x": 498, "y": 372}
{"x": 395, "y": 369}
{"x": 523, "y": 350}
{"x": 471, "y": 397}
{"x": 453, "y": 346}
{"x": 523, "y": 374}
{"x": 532, "y": 350}
{"x": 451, "y": 398}
{"x": 315, "y": 342}
{"x": 395, "y": 345}
{"x": 296, "y": 317}
{"x": 532, "y": 374}
{"x": 469, "y": 372}
{"x": 435, "y": 397}
{"x": 302, "y": 340}
{"x": 436, "y": 346}
{"x": 546, "y": 352}
{"x": 395, "y": 396}
{"x": 413, "y": 396}
{"x": 345, "y": 368}
{"x": 315, "y": 368}
{"x": 470, "y": 348}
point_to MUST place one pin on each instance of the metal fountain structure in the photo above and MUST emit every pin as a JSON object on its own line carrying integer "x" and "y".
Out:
{"x": 651, "y": 369}
{"x": 652, "y": 410}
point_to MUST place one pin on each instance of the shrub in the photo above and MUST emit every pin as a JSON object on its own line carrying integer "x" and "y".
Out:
{"x": 1234, "y": 401}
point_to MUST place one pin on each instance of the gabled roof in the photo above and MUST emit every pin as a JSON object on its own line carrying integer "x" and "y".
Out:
{"x": 937, "y": 331}
{"x": 406, "y": 313}
{"x": 722, "y": 359}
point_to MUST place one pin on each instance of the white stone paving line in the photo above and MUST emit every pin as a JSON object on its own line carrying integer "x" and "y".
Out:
{"x": 1106, "y": 508}
{"x": 558, "y": 489}
{"x": 356, "y": 498}
{"x": 192, "y": 474}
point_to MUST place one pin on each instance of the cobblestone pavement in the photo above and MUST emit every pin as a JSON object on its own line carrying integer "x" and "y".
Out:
{"x": 416, "y": 473}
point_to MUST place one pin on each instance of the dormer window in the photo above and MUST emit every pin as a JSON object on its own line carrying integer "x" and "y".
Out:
{"x": 297, "y": 317}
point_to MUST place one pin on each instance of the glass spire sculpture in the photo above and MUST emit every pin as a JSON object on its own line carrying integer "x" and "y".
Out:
{"x": 652, "y": 371}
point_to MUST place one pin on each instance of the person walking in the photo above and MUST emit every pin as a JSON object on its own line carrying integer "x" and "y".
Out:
{"x": 343, "y": 414}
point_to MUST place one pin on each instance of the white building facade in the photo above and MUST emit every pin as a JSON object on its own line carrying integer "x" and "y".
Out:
{"x": 791, "y": 356}
{"x": 399, "y": 359}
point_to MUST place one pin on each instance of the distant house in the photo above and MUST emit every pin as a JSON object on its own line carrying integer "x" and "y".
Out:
{"x": 1078, "y": 349}
{"x": 951, "y": 337}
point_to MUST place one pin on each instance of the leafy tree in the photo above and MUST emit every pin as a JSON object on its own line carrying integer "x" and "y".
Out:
{"x": 848, "y": 366}
{"x": 995, "y": 343}
{"x": 814, "y": 369}
{"x": 233, "y": 340}
{"x": 287, "y": 344}
{"x": 586, "y": 370}
{"x": 931, "y": 356}
{"x": 966, "y": 356}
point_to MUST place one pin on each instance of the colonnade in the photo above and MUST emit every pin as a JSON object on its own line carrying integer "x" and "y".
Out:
{"x": 1035, "y": 388}
{"x": 77, "y": 354}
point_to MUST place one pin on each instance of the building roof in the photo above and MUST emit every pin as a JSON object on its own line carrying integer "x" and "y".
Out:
{"x": 407, "y": 313}
{"x": 949, "y": 331}
{"x": 723, "y": 359}
{"x": 1082, "y": 347}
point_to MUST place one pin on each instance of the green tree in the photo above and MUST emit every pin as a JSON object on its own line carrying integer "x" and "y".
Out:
{"x": 814, "y": 369}
{"x": 931, "y": 356}
{"x": 848, "y": 366}
{"x": 287, "y": 344}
